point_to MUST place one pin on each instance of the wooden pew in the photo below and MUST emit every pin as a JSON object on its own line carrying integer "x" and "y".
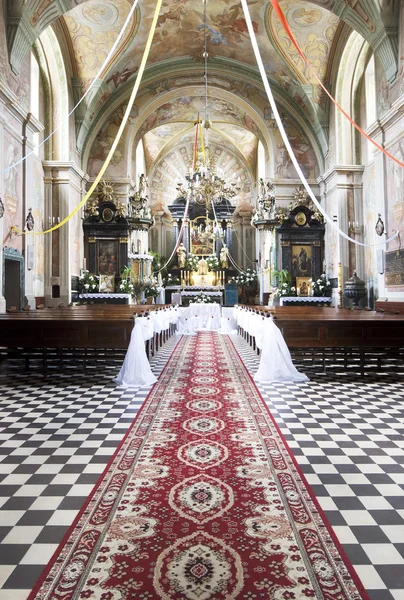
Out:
{"x": 331, "y": 333}
{"x": 394, "y": 307}
{"x": 78, "y": 329}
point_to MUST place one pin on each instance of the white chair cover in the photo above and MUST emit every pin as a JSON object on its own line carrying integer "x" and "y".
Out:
{"x": 276, "y": 363}
{"x": 136, "y": 371}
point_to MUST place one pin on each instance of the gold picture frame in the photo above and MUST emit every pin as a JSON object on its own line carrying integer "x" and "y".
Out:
{"x": 303, "y": 286}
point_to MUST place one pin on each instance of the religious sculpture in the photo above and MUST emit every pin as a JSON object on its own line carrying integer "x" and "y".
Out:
{"x": 203, "y": 267}
{"x": 182, "y": 255}
{"x": 266, "y": 199}
{"x": 224, "y": 257}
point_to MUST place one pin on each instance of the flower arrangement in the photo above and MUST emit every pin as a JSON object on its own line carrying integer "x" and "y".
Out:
{"x": 150, "y": 290}
{"x": 247, "y": 277}
{"x": 170, "y": 280}
{"x": 192, "y": 262}
{"x": 203, "y": 299}
{"x": 149, "y": 287}
{"x": 285, "y": 289}
{"x": 321, "y": 286}
{"x": 126, "y": 285}
{"x": 212, "y": 262}
{"x": 88, "y": 283}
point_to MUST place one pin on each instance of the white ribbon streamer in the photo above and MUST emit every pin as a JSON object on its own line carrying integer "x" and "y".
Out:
{"x": 101, "y": 69}
{"x": 285, "y": 137}
{"x": 177, "y": 243}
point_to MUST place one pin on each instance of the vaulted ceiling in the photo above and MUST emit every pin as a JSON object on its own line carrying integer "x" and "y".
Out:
{"x": 172, "y": 92}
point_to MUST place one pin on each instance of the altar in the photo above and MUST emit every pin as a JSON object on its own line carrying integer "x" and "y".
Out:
{"x": 110, "y": 298}
{"x": 187, "y": 294}
{"x": 305, "y": 300}
{"x": 199, "y": 316}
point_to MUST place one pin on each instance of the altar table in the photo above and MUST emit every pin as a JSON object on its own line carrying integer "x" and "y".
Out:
{"x": 305, "y": 300}
{"x": 108, "y": 298}
{"x": 199, "y": 316}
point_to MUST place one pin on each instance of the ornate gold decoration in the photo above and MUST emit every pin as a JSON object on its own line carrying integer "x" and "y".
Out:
{"x": 106, "y": 190}
{"x": 91, "y": 208}
{"x": 300, "y": 219}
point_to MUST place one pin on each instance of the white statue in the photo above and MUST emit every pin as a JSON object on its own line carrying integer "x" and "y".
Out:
{"x": 224, "y": 257}
{"x": 203, "y": 267}
{"x": 182, "y": 255}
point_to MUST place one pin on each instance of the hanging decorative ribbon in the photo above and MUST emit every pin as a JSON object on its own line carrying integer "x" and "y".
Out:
{"x": 95, "y": 79}
{"x": 179, "y": 238}
{"x": 119, "y": 133}
{"x": 233, "y": 262}
{"x": 203, "y": 147}
{"x": 285, "y": 25}
{"x": 195, "y": 145}
{"x": 285, "y": 139}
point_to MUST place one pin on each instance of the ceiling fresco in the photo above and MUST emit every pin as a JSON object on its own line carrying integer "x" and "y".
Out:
{"x": 186, "y": 109}
{"x": 167, "y": 130}
{"x": 93, "y": 28}
{"x": 314, "y": 29}
{"x": 170, "y": 170}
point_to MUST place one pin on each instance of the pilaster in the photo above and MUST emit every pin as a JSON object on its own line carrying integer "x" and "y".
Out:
{"x": 63, "y": 191}
{"x": 341, "y": 192}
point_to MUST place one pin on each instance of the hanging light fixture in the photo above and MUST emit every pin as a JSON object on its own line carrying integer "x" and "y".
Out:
{"x": 206, "y": 183}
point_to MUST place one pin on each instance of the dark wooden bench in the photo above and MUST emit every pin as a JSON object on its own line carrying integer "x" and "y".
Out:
{"x": 394, "y": 307}
{"x": 347, "y": 337}
{"x": 81, "y": 332}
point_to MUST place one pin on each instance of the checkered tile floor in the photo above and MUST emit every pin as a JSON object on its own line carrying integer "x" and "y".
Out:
{"x": 346, "y": 433}
{"x": 56, "y": 437}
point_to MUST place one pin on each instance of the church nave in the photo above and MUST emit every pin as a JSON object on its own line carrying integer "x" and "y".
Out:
{"x": 346, "y": 435}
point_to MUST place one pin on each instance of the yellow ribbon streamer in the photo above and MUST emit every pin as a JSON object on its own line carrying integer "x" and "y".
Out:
{"x": 120, "y": 130}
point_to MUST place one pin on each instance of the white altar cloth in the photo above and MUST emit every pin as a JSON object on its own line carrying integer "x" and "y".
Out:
{"x": 106, "y": 296}
{"x": 199, "y": 316}
{"x": 313, "y": 299}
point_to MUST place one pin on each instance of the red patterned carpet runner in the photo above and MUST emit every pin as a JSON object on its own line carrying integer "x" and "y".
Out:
{"x": 201, "y": 501}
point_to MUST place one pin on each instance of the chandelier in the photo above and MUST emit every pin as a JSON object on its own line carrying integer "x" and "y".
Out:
{"x": 206, "y": 184}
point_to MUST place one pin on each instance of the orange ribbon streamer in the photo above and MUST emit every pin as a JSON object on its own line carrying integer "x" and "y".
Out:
{"x": 285, "y": 25}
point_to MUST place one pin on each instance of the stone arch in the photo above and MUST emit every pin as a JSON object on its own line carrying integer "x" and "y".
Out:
{"x": 349, "y": 74}
{"x": 265, "y": 126}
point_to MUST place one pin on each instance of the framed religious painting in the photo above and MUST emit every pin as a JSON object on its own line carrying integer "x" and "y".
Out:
{"x": 108, "y": 256}
{"x": 303, "y": 286}
{"x": 107, "y": 284}
{"x": 301, "y": 260}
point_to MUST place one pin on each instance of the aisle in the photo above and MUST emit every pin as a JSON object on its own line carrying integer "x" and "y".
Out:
{"x": 202, "y": 500}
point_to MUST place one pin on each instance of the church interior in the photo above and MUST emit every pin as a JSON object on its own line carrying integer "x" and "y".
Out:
{"x": 201, "y": 192}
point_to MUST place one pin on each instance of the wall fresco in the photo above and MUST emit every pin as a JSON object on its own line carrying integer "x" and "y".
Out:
{"x": 12, "y": 189}
{"x": 314, "y": 29}
{"x": 395, "y": 194}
